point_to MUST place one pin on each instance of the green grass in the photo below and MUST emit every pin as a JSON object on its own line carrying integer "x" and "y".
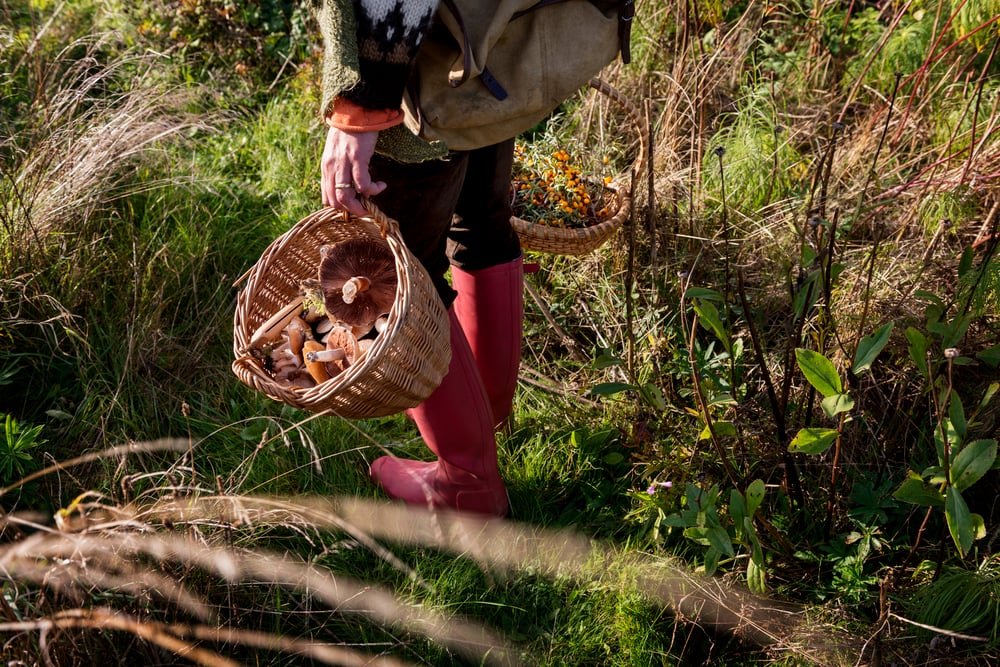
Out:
{"x": 119, "y": 260}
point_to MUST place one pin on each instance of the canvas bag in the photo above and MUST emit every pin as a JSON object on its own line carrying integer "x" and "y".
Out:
{"x": 488, "y": 71}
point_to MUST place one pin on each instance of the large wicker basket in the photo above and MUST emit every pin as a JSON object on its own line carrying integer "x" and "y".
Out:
{"x": 408, "y": 359}
{"x": 540, "y": 237}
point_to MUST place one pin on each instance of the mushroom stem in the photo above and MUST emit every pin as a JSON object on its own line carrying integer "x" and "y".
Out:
{"x": 324, "y": 356}
{"x": 355, "y": 286}
{"x": 272, "y": 328}
{"x": 317, "y": 369}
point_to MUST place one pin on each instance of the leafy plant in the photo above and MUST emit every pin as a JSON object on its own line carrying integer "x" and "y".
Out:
{"x": 16, "y": 447}
{"x": 960, "y": 459}
{"x": 719, "y": 534}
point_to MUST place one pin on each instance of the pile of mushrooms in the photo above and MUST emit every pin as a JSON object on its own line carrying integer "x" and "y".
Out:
{"x": 335, "y": 318}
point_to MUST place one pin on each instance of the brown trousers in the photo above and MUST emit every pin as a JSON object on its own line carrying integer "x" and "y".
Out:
{"x": 454, "y": 211}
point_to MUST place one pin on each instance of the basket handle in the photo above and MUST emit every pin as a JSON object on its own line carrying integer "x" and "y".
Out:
{"x": 385, "y": 224}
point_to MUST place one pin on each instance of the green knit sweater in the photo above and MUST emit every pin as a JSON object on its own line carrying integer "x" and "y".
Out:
{"x": 372, "y": 75}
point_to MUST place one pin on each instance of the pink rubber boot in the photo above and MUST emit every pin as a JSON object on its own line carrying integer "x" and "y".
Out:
{"x": 457, "y": 424}
{"x": 490, "y": 306}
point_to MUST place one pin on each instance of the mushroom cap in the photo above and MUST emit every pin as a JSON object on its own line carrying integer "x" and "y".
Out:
{"x": 369, "y": 260}
{"x": 342, "y": 338}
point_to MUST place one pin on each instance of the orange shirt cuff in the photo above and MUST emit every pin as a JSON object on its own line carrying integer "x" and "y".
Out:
{"x": 350, "y": 117}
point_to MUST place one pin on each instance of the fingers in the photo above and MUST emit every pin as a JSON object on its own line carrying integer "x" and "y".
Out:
{"x": 344, "y": 169}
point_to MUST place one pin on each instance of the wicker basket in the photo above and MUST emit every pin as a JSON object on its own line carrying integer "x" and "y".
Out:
{"x": 408, "y": 359}
{"x": 539, "y": 237}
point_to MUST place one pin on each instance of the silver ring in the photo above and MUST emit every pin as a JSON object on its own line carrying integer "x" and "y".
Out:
{"x": 344, "y": 186}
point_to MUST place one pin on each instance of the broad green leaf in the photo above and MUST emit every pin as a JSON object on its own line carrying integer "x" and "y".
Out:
{"x": 988, "y": 396}
{"x": 703, "y": 293}
{"x": 974, "y": 461}
{"x": 934, "y": 475}
{"x": 870, "y": 347}
{"x": 807, "y": 294}
{"x": 711, "y": 561}
{"x": 959, "y": 520}
{"x": 614, "y": 458}
{"x": 756, "y": 581}
{"x": 956, "y": 414}
{"x": 946, "y": 430}
{"x": 990, "y": 356}
{"x": 605, "y": 359}
{"x": 737, "y": 508}
{"x": 916, "y": 492}
{"x": 653, "y": 396}
{"x": 813, "y": 440}
{"x": 978, "y": 526}
{"x": 698, "y": 535}
{"x": 834, "y": 405}
{"x": 722, "y": 429}
{"x": 755, "y": 496}
{"x": 719, "y": 539}
{"x": 819, "y": 371}
{"x": 708, "y": 317}
{"x": 965, "y": 263}
{"x": 956, "y": 331}
{"x": 611, "y": 388}
{"x": 917, "y": 349}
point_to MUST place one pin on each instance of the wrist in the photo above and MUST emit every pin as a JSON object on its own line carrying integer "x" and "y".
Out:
{"x": 351, "y": 117}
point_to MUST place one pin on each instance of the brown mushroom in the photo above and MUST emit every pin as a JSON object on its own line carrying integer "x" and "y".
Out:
{"x": 358, "y": 279}
{"x": 298, "y": 332}
{"x": 341, "y": 338}
{"x": 270, "y": 330}
{"x": 316, "y": 367}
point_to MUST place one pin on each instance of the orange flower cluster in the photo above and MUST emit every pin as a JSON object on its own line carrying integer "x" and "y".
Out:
{"x": 547, "y": 189}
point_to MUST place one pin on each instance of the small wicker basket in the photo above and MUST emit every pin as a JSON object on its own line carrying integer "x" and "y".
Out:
{"x": 540, "y": 237}
{"x": 410, "y": 356}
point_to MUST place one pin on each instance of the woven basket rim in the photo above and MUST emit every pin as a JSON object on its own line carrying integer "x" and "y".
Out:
{"x": 321, "y": 396}
{"x": 579, "y": 240}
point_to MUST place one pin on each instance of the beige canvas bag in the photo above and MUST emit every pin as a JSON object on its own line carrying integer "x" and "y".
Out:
{"x": 488, "y": 71}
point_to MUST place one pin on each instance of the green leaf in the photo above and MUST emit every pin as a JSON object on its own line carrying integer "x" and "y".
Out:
{"x": 755, "y": 496}
{"x": 711, "y": 561}
{"x": 697, "y": 534}
{"x": 916, "y": 492}
{"x": 974, "y": 461}
{"x": 737, "y": 510}
{"x": 988, "y": 395}
{"x": 959, "y": 520}
{"x": 990, "y": 356}
{"x": 611, "y": 388}
{"x": 719, "y": 539}
{"x": 917, "y": 349}
{"x": 652, "y": 395}
{"x": 708, "y": 317}
{"x": 978, "y": 526}
{"x": 965, "y": 263}
{"x": 703, "y": 293}
{"x": 756, "y": 581}
{"x": 956, "y": 331}
{"x": 819, "y": 371}
{"x": 605, "y": 359}
{"x": 722, "y": 429}
{"x": 813, "y": 440}
{"x": 613, "y": 459}
{"x": 870, "y": 347}
{"x": 956, "y": 415}
{"x": 834, "y": 405}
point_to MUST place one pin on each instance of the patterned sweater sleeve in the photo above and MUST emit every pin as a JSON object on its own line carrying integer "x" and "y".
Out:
{"x": 371, "y": 72}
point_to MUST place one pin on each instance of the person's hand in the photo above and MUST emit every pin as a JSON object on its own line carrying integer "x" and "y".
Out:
{"x": 344, "y": 168}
